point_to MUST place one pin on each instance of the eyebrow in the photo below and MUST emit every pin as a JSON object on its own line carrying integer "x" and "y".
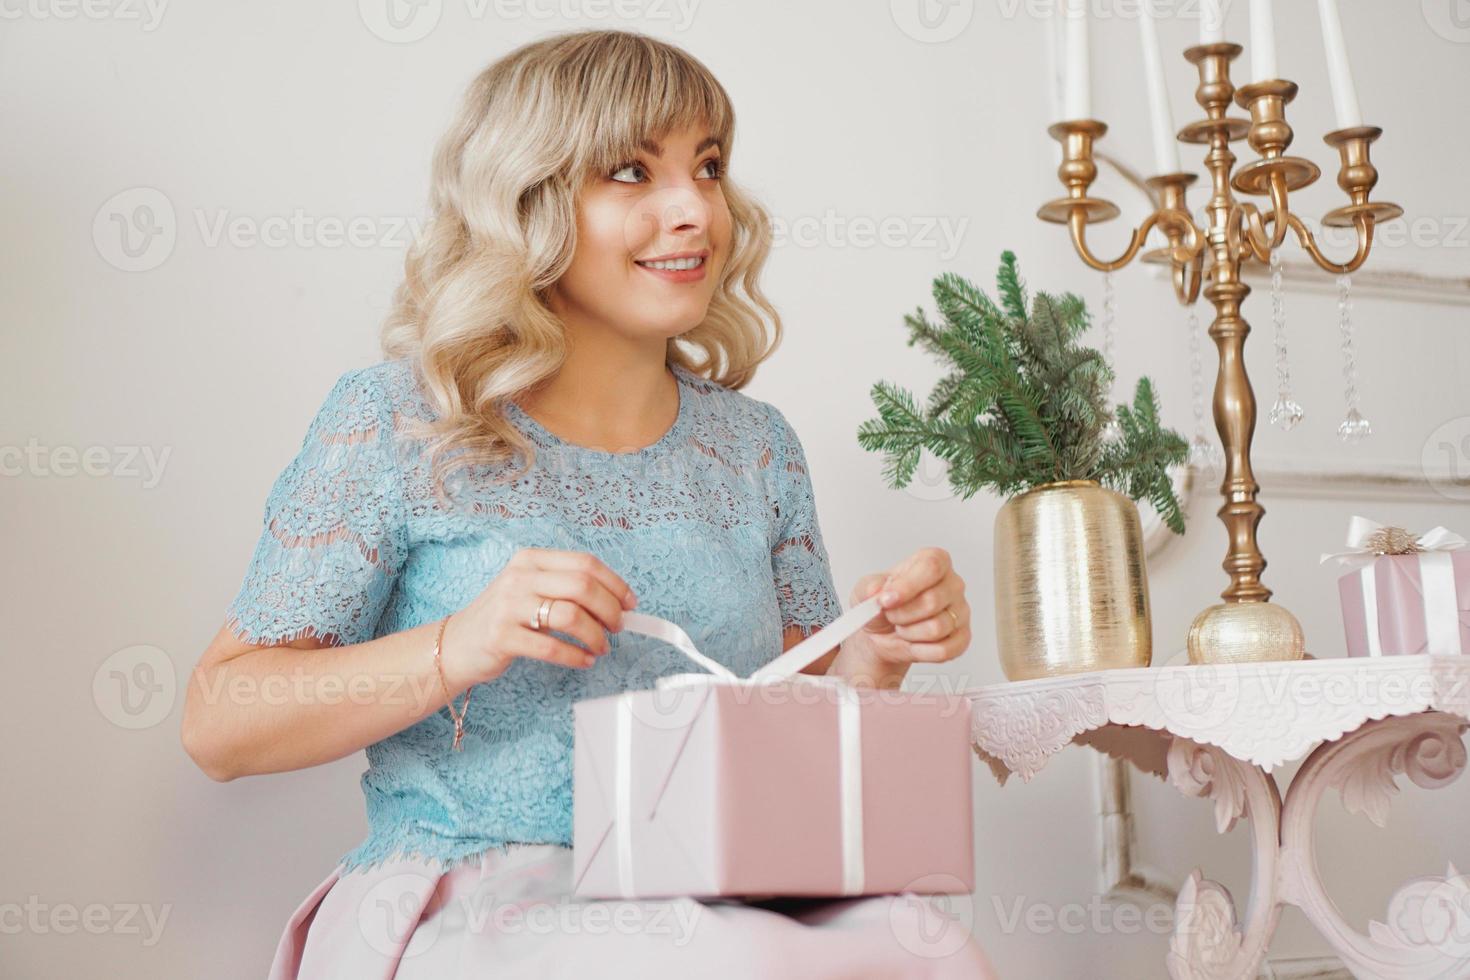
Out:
{"x": 704, "y": 144}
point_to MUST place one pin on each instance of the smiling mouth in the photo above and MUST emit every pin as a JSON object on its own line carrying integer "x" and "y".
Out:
{"x": 674, "y": 265}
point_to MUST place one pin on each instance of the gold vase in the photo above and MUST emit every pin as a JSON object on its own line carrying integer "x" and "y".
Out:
{"x": 1071, "y": 588}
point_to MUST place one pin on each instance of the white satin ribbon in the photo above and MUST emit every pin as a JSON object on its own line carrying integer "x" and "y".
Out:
{"x": 850, "y": 754}
{"x": 623, "y": 795}
{"x": 1436, "y": 577}
{"x": 783, "y": 668}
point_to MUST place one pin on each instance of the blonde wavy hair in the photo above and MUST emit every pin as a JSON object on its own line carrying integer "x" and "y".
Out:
{"x": 472, "y": 312}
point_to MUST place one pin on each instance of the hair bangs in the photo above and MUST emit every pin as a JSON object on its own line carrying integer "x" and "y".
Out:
{"x": 638, "y": 93}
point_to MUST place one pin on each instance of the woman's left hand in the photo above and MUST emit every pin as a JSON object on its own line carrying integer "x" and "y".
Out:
{"x": 925, "y": 618}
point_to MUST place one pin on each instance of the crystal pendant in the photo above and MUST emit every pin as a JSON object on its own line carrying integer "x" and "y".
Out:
{"x": 1354, "y": 427}
{"x": 1286, "y": 412}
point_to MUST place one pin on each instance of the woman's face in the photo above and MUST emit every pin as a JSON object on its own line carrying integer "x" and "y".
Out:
{"x": 666, "y": 204}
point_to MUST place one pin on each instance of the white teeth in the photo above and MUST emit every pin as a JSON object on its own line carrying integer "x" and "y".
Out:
{"x": 675, "y": 264}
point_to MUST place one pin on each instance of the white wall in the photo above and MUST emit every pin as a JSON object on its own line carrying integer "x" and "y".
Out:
{"x": 218, "y": 354}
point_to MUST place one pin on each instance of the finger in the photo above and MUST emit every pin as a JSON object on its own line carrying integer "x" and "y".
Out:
{"x": 581, "y": 589}
{"x": 580, "y": 561}
{"x": 539, "y": 645}
{"x": 934, "y": 628}
{"x": 946, "y": 649}
{"x": 924, "y": 569}
{"x": 929, "y": 602}
{"x": 567, "y": 616}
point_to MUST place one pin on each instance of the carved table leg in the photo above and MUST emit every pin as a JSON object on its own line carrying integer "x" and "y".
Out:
{"x": 1207, "y": 944}
{"x": 1427, "y": 933}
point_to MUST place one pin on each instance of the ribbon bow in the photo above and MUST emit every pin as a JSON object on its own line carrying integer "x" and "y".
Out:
{"x": 1367, "y": 540}
{"x": 784, "y": 668}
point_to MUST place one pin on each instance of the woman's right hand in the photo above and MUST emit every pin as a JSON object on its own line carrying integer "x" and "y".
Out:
{"x": 482, "y": 638}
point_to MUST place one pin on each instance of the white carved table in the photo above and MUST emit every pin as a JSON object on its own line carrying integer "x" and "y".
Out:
{"x": 1219, "y": 731}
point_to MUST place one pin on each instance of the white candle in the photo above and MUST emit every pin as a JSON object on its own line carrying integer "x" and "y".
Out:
{"x": 1076, "y": 94}
{"x": 1263, "y": 42}
{"x": 1211, "y": 22}
{"x": 1054, "y": 75}
{"x": 1344, "y": 94}
{"x": 1166, "y": 149}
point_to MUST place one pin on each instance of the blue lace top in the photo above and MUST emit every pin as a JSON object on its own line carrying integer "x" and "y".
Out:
{"x": 713, "y": 526}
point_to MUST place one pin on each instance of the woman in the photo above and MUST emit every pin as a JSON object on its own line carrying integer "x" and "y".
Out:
{"x": 554, "y": 437}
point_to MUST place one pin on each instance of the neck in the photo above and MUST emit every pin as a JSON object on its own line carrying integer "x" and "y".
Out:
{"x": 611, "y": 391}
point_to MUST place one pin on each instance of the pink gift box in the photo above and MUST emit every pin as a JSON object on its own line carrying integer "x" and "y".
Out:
{"x": 805, "y": 787}
{"x": 1395, "y": 585}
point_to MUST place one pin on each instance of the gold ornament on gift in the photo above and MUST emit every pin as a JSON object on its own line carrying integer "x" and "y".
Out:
{"x": 1024, "y": 412}
{"x": 1393, "y": 541}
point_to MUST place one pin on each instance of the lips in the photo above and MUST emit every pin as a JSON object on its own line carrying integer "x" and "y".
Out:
{"x": 675, "y": 260}
{"x": 677, "y": 266}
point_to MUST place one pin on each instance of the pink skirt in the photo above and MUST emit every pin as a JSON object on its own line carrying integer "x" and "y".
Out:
{"x": 511, "y": 915}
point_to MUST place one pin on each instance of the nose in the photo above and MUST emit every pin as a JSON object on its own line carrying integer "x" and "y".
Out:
{"x": 677, "y": 210}
{"x": 671, "y": 216}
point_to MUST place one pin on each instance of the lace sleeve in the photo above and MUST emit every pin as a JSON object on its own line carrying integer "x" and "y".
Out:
{"x": 803, "y": 576}
{"x": 334, "y": 532}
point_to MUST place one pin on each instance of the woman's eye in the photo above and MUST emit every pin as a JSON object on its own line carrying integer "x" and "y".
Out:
{"x": 711, "y": 168}
{"x": 626, "y": 167}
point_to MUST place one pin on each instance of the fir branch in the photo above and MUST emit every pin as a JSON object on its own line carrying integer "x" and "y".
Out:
{"x": 1023, "y": 403}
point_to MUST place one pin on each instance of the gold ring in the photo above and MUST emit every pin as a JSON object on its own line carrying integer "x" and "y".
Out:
{"x": 950, "y": 610}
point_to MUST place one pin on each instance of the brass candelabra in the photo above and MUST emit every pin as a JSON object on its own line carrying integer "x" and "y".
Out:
{"x": 1246, "y": 626}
